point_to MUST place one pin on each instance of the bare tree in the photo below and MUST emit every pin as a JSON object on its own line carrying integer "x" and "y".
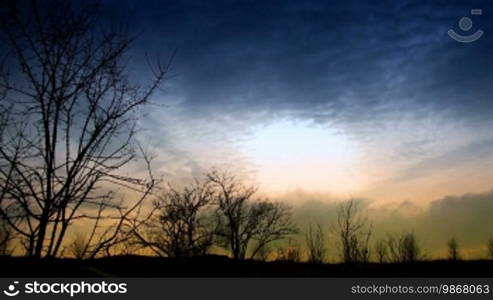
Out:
{"x": 354, "y": 233}
{"x": 73, "y": 121}
{"x": 490, "y": 248}
{"x": 381, "y": 251}
{"x": 274, "y": 223}
{"x": 316, "y": 245}
{"x": 6, "y": 238}
{"x": 182, "y": 226}
{"x": 78, "y": 246}
{"x": 453, "y": 249}
{"x": 404, "y": 248}
{"x": 240, "y": 220}
{"x": 290, "y": 253}
{"x": 264, "y": 253}
{"x": 393, "y": 247}
{"x": 6, "y": 232}
{"x": 410, "y": 250}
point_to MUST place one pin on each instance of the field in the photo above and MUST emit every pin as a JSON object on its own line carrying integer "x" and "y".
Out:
{"x": 220, "y": 266}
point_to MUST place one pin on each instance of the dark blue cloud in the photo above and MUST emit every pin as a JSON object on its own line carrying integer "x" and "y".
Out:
{"x": 325, "y": 60}
{"x": 361, "y": 67}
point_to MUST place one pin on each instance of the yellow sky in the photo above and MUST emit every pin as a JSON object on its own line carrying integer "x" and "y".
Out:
{"x": 296, "y": 155}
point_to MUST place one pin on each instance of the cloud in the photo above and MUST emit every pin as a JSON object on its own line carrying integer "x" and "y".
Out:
{"x": 351, "y": 64}
{"x": 466, "y": 218}
{"x": 384, "y": 74}
{"x": 478, "y": 152}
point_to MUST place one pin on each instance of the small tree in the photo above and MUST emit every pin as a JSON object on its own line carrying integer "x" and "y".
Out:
{"x": 264, "y": 253}
{"x": 274, "y": 223}
{"x": 403, "y": 248}
{"x": 181, "y": 226}
{"x": 290, "y": 253}
{"x": 242, "y": 221}
{"x": 315, "y": 243}
{"x": 490, "y": 248}
{"x": 453, "y": 249}
{"x": 6, "y": 238}
{"x": 354, "y": 233}
{"x": 78, "y": 247}
{"x": 409, "y": 248}
{"x": 381, "y": 251}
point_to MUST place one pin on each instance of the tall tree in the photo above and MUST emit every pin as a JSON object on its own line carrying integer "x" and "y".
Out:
{"x": 72, "y": 122}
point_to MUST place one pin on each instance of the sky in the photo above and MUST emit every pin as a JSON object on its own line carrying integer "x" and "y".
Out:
{"x": 356, "y": 99}
{"x": 321, "y": 101}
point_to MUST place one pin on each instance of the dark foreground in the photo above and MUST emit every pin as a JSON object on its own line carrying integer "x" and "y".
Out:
{"x": 219, "y": 266}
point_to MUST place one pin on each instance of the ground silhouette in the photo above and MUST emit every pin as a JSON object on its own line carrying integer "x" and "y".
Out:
{"x": 222, "y": 266}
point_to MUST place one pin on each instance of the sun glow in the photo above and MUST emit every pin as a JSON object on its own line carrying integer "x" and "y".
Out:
{"x": 292, "y": 155}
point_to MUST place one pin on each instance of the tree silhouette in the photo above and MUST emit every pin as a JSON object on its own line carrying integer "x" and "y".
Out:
{"x": 241, "y": 220}
{"x": 315, "y": 243}
{"x": 381, "y": 251}
{"x": 264, "y": 253}
{"x": 403, "y": 248}
{"x": 181, "y": 226}
{"x": 354, "y": 233}
{"x": 453, "y": 249}
{"x": 6, "y": 237}
{"x": 274, "y": 223}
{"x": 490, "y": 248}
{"x": 71, "y": 124}
{"x": 290, "y": 253}
{"x": 78, "y": 247}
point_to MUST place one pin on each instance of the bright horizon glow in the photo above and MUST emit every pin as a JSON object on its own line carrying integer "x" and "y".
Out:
{"x": 290, "y": 155}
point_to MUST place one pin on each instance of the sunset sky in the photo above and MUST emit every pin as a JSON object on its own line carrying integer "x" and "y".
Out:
{"x": 318, "y": 101}
{"x": 323, "y": 99}
{"x": 361, "y": 98}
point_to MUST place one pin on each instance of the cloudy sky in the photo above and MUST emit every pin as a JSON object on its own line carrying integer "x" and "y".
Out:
{"x": 319, "y": 101}
{"x": 356, "y": 98}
